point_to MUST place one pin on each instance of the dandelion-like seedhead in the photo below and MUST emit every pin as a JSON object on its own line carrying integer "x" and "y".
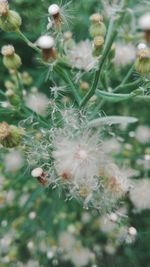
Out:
{"x": 72, "y": 158}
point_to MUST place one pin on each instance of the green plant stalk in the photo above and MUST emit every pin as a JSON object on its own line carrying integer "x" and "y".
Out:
{"x": 125, "y": 79}
{"x": 126, "y": 86}
{"x": 65, "y": 76}
{"x": 27, "y": 41}
{"x": 111, "y": 35}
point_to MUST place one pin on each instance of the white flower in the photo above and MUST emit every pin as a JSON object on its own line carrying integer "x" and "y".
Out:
{"x": 77, "y": 162}
{"x": 142, "y": 134}
{"x": 107, "y": 225}
{"x": 53, "y": 9}
{"x": 80, "y": 256}
{"x": 37, "y": 172}
{"x": 116, "y": 182}
{"x": 66, "y": 241}
{"x": 13, "y": 161}
{"x": 124, "y": 54}
{"x": 80, "y": 56}
{"x": 37, "y": 102}
{"x": 144, "y": 22}
{"x": 141, "y": 46}
{"x": 140, "y": 194}
{"x": 45, "y": 42}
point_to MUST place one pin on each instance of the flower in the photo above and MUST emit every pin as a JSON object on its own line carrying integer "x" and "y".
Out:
{"x": 80, "y": 56}
{"x": 144, "y": 22}
{"x": 53, "y": 9}
{"x": 80, "y": 256}
{"x": 37, "y": 102}
{"x": 124, "y": 54}
{"x": 142, "y": 134}
{"x": 140, "y": 195}
{"x": 13, "y": 161}
{"x": 45, "y": 42}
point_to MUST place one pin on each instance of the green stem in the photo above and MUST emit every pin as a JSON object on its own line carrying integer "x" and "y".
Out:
{"x": 111, "y": 35}
{"x": 125, "y": 79}
{"x": 28, "y": 42}
{"x": 65, "y": 76}
{"x": 109, "y": 39}
{"x": 127, "y": 85}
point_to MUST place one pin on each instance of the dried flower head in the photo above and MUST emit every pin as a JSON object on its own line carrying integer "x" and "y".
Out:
{"x": 4, "y": 130}
{"x": 139, "y": 194}
{"x": 80, "y": 56}
{"x": 3, "y": 7}
{"x": 7, "y": 50}
{"x": 10, "y": 135}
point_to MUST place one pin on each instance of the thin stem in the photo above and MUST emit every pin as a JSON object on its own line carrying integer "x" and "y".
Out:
{"x": 111, "y": 35}
{"x": 125, "y": 78}
{"x": 65, "y": 76}
{"x": 28, "y": 42}
{"x": 109, "y": 39}
{"x": 127, "y": 85}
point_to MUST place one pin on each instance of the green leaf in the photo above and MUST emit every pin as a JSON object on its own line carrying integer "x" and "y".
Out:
{"x": 119, "y": 97}
{"x": 110, "y": 120}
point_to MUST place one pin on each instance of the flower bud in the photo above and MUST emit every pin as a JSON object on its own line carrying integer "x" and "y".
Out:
{"x": 10, "y": 135}
{"x": 142, "y": 64}
{"x": 12, "y": 97}
{"x": 11, "y": 22}
{"x": 98, "y": 45}
{"x": 84, "y": 87}
{"x": 54, "y": 11}
{"x": 10, "y": 60}
{"x": 68, "y": 41}
{"x": 9, "y": 85}
{"x": 26, "y": 78}
{"x": 46, "y": 43}
{"x": 97, "y": 27}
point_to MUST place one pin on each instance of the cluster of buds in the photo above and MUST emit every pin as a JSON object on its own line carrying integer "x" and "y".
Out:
{"x": 46, "y": 43}
{"x": 97, "y": 32}
{"x": 10, "y": 135}
{"x": 142, "y": 64}
{"x": 39, "y": 174}
{"x": 10, "y": 20}
{"x": 67, "y": 41}
{"x": 54, "y": 12}
{"x": 26, "y": 78}
{"x": 11, "y": 60}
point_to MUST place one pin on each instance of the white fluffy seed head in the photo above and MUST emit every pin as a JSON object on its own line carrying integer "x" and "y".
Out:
{"x": 113, "y": 217}
{"x": 144, "y": 22}
{"x": 53, "y": 9}
{"x": 45, "y": 42}
{"x": 141, "y": 46}
{"x": 132, "y": 231}
{"x": 37, "y": 172}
